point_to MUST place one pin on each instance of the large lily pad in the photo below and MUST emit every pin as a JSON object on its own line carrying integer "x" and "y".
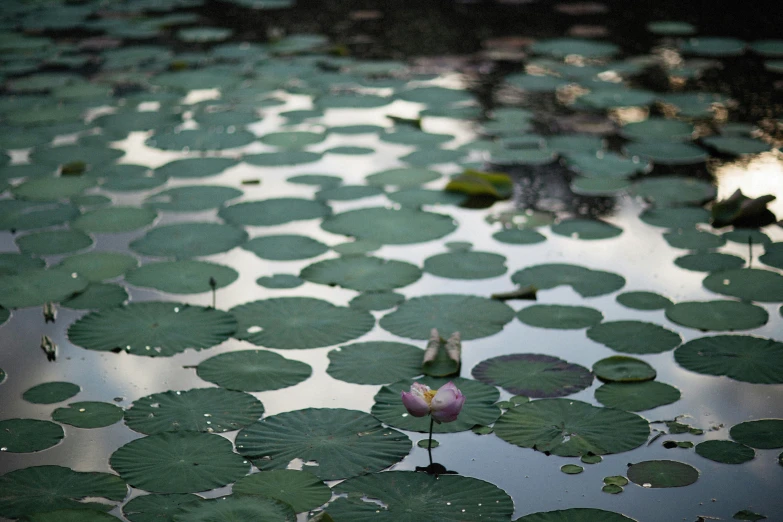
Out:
{"x": 693, "y": 239}
{"x": 740, "y": 357}
{"x": 719, "y": 316}
{"x": 157, "y": 508}
{"x": 725, "y": 451}
{"x": 674, "y": 190}
{"x": 237, "y": 508}
{"x": 182, "y": 277}
{"x": 479, "y": 408}
{"x": 388, "y": 226}
{"x": 89, "y": 414}
{"x": 474, "y": 317}
{"x": 29, "y": 215}
{"x": 634, "y": 337}
{"x": 411, "y": 497}
{"x": 211, "y": 410}
{"x": 760, "y": 434}
{"x": 99, "y": 266}
{"x": 114, "y": 219}
{"x": 53, "y": 188}
{"x": 636, "y": 396}
{"x": 466, "y": 265}
{"x": 749, "y": 284}
{"x": 662, "y": 474}
{"x": 285, "y": 247}
{"x": 340, "y": 443}
{"x": 584, "y": 281}
{"x": 277, "y": 211}
{"x": 180, "y": 462}
{"x": 405, "y": 177}
{"x": 253, "y": 370}
{"x": 533, "y": 375}
{"x": 570, "y": 428}
{"x": 191, "y": 199}
{"x": 362, "y": 273}
{"x": 51, "y": 392}
{"x": 36, "y": 287}
{"x": 53, "y": 242}
{"x": 28, "y": 435}
{"x": 96, "y": 297}
{"x": 575, "y": 515}
{"x": 299, "y": 322}
{"x": 560, "y": 316}
{"x": 152, "y": 328}
{"x": 709, "y": 261}
{"x": 641, "y": 300}
{"x": 667, "y": 152}
{"x": 186, "y": 240}
{"x": 300, "y": 489}
{"x": 375, "y": 362}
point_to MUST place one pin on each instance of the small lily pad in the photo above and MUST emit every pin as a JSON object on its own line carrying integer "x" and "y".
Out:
{"x": 88, "y": 414}
{"x": 182, "y": 277}
{"x": 405, "y": 177}
{"x": 388, "y": 226}
{"x": 96, "y": 297}
{"x": 658, "y": 129}
{"x": 709, "y": 262}
{"x": 114, "y": 219}
{"x": 749, "y": 284}
{"x": 674, "y": 190}
{"x": 515, "y": 236}
{"x": 740, "y": 357}
{"x": 53, "y": 242}
{"x": 560, "y": 316}
{"x": 635, "y": 337}
{"x": 746, "y": 514}
{"x": 675, "y": 217}
{"x": 51, "y": 392}
{"x": 759, "y": 434}
{"x": 571, "y": 469}
{"x": 186, "y": 240}
{"x": 725, "y": 451}
{"x": 362, "y": 273}
{"x": 285, "y": 247}
{"x": 693, "y": 239}
{"x": 584, "y": 281}
{"x": 466, "y": 265}
{"x": 282, "y": 159}
{"x": 662, "y": 474}
{"x": 191, "y": 199}
{"x": 375, "y": 362}
{"x": 667, "y": 152}
{"x": 428, "y": 443}
{"x": 376, "y": 301}
{"x": 280, "y": 281}
{"x": 253, "y": 370}
{"x": 99, "y": 266}
{"x": 28, "y": 435}
{"x": 620, "y": 368}
{"x": 533, "y": 375}
{"x": 719, "y": 316}
{"x": 636, "y": 396}
{"x": 643, "y": 300}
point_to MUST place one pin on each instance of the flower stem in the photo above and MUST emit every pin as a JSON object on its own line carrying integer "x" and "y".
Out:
{"x": 429, "y": 442}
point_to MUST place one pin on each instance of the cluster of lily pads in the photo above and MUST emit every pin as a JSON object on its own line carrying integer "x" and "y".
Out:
{"x": 69, "y": 188}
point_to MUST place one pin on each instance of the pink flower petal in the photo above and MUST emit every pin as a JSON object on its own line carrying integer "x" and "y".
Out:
{"x": 415, "y": 404}
{"x": 447, "y": 403}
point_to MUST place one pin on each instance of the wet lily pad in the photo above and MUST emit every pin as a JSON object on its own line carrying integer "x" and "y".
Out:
{"x": 446, "y": 498}
{"x": 749, "y": 284}
{"x": 584, "y": 281}
{"x": 620, "y": 368}
{"x": 341, "y": 443}
{"x": 533, "y": 375}
{"x": 274, "y": 211}
{"x": 53, "y": 242}
{"x": 182, "y": 277}
{"x": 675, "y": 217}
{"x": 474, "y": 317}
{"x": 28, "y": 435}
{"x": 560, "y": 316}
{"x": 191, "y": 199}
{"x": 376, "y": 301}
{"x": 674, "y": 190}
{"x": 635, "y": 337}
{"x": 285, "y": 247}
{"x": 279, "y": 281}
{"x": 300, "y": 489}
{"x": 709, "y": 262}
{"x": 480, "y": 406}
{"x": 253, "y": 370}
{"x": 156, "y": 508}
{"x": 693, "y": 239}
{"x": 662, "y": 474}
{"x": 99, "y": 266}
{"x": 375, "y": 362}
{"x": 636, "y": 396}
{"x": 186, "y": 240}
{"x": 96, "y": 297}
{"x": 390, "y": 227}
{"x": 405, "y": 177}
{"x": 641, "y": 300}
{"x": 581, "y": 428}
{"x": 740, "y": 357}
{"x": 466, "y": 265}
{"x": 759, "y": 434}
{"x": 152, "y": 328}
{"x": 719, "y": 316}
{"x": 299, "y": 322}
{"x": 362, "y": 273}
{"x": 211, "y": 410}
{"x": 586, "y": 229}
{"x": 576, "y": 515}
{"x": 725, "y": 451}
{"x": 36, "y": 287}
{"x": 51, "y": 392}
{"x": 88, "y": 414}
{"x": 181, "y": 462}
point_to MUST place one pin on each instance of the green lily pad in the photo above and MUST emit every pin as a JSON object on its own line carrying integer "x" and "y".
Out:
{"x": 285, "y": 247}
{"x": 560, "y": 316}
{"x": 675, "y": 217}
{"x": 362, "y": 273}
{"x": 641, "y": 300}
{"x": 182, "y": 277}
{"x": 70, "y": 515}
{"x": 64, "y": 154}
{"x": 405, "y": 177}
{"x": 516, "y": 236}
{"x": 598, "y": 187}
{"x": 299, "y": 322}
{"x": 586, "y": 229}
{"x": 29, "y": 215}
{"x": 36, "y": 287}
{"x": 659, "y": 130}
{"x": 114, "y": 219}
{"x": 96, "y": 297}
{"x": 584, "y": 281}
{"x": 186, "y": 240}
{"x": 571, "y": 469}
{"x": 562, "y": 47}
{"x": 740, "y": 357}
{"x": 292, "y": 139}
{"x": 719, "y": 316}
{"x": 152, "y": 328}
{"x": 480, "y": 406}
{"x": 53, "y": 242}
{"x": 28, "y": 435}
{"x": 320, "y": 180}
{"x": 274, "y": 211}
{"x": 604, "y": 165}
{"x": 99, "y": 266}
{"x": 390, "y": 227}
{"x": 52, "y": 188}
{"x": 580, "y": 428}
{"x": 280, "y": 281}
{"x": 213, "y": 138}
{"x": 466, "y": 265}
{"x": 191, "y": 199}
{"x": 635, "y": 337}
{"x": 671, "y": 28}
{"x": 253, "y": 370}
{"x": 179, "y": 462}
{"x": 759, "y": 434}
{"x": 474, "y": 317}
{"x": 88, "y": 414}
{"x": 746, "y": 236}
{"x": 211, "y": 410}
{"x": 91, "y": 200}
{"x": 709, "y": 262}
{"x": 375, "y": 362}
{"x": 616, "y": 98}
{"x": 725, "y": 451}
{"x": 662, "y": 474}
{"x": 134, "y": 183}
{"x": 195, "y": 167}
{"x": 746, "y": 514}
{"x": 771, "y": 48}
{"x": 282, "y": 159}
{"x": 233, "y": 507}
{"x": 356, "y": 248}
{"x": 157, "y": 508}
{"x": 12, "y": 263}
{"x": 674, "y": 190}
{"x": 713, "y": 46}
{"x": 533, "y": 375}
{"x": 620, "y": 368}
{"x": 409, "y": 496}
{"x": 348, "y": 192}
{"x": 736, "y": 145}
{"x": 48, "y": 488}
{"x": 749, "y": 284}
{"x": 51, "y": 392}
{"x": 693, "y": 239}
{"x": 636, "y": 396}
{"x": 577, "y": 514}
{"x": 376, "y": 301}
{"x": 300, "y": 489}
{"x": 341, "y": 443}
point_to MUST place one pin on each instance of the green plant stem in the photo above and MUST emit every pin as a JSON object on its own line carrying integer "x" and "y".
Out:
{"x": 429, "y": 441}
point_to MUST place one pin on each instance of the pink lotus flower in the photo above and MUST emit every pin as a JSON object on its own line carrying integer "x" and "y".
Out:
{"x": 443, "y": 404}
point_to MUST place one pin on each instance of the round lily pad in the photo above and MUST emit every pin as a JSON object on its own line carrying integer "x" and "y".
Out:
{"x": 299, "y": 322}
{"x": 635, "y": 337}
{"x": 274, "y": 211}
{"x": 709, "y": 262}
{"x": 88, "y": 414}
{"x": 191, "y": 199}
{"x": 36, "y": 287}
{"x": 725, "y": 451}
{"x": 285, "y": 247}
{"x": 560, "y": 316}
{"x": 405, "y": 177}
{"x": 195, "y": 167}
{"x": 291, "y": 139}
{"x": 662, "y": 474}
{"x": 736, "y": 145}
{"x": 51, "y": 392}
{"x": 405, "y": 494}
{"x": 749, "y": 284}
{"x": 562, "y": 47}
{"x": 282, "y": 159}
{"x": 571, "y": 469}
{"x": 233, "y": 507}
{"x": 466, "y": 265}
{"x": 300, "y": 489}
{"x": 152, "y": 328}
{"x": 620, "y": 368}
{"x": 213, "y": 138}
{"x": 693, "y": 239}
{"x": 418, "y": 197}
{"x": 114, "y": 219}
{"x": 156, "y": 508}
{"x": 667, "y": 152}
{"x": 362, "y": 273}
{"x": 515, "y": 236}
{"x": 99, "y": 266}
{"x": 658, "y": 129}
{"x": 604, "y": 165}
{"x": 182, "y": 277}
{"x": 48, "y": 488}
{"x": 375, "y": 362}
{"x": 480, "y": 406}
{"x": 674, "y": 190}
{"x": 71, "y": 515}
{"x": 28, "y": 435}
{"x": 643, "y": 300}
{"x": 180, "y": 462}
{"x": 348, "y": 192}
{"x": 760, "y": 434}
{"x": 12, "y": 263}
{"x": 580, "y": 428}
{"x": 53, "y": 242}
{"x": 340, "y": 443}
{"x": 253, "y": 370}
{"x": 586, "y": 229}
{"x": 597, "y": 187}
{"x": 533, "y": 375}
{"x": 474, "y": 317}
{"x": 389, "y": 226}
{"x": 675, "y": 217}
{"x": 319, "y": 180}
{"x": 636, "y": 396}
{"x": 740, "y": 357}
{"x": 186, "y": 240}
{"x": 577, "y": 515}
{"x": 96, "y": 297}
{"x": 53, "y": 188}
{"x": 375, "y": 301}
{"x": 584, "y": 281}
{"x": 29, "y": 215}
{"x": 212, "y": 410}
{"x": 280, "y": 281}
{"x": 719, "y": 316}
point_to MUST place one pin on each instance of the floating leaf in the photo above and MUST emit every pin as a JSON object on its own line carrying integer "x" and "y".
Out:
{"x": 719, "y": 316}
{"x": 114, "y": 219}
{"x": 214, "y": 138}
{"x": 348, "y": 192}
{"x": 675, "y": 217}
{"x": 571, "y": 469}
{"x": 533, "y": 375}
{"x": 636, "y": 396}
{"x": 36, "y": 287}
{"x": 515, "y": 236}
{"x": 636, "y": 337}
{"x": 99, "y": 266}
{"x": 279, "y": 281}
{"x": 195, "y": 167}
{"x": 643, "y": 300}
{"x": 300, "y": 489}
{"x": 191, "y": 199}
{"x": 667, "y": 153}
{"x": 52, "y": 188}
{"x": 375, "y": 362}
{"x": 749, "y": 284}
{"x": 157, "y": 508}
{"x": 693, "y": 239}
{"x": 362, "y": 273}
{"x": 96, "y": 297}
{"x": 376, "y": 301}
{"x": 562, "y": 47}
{"x": 418, "y": 197}
{"x": 674, "y": 190}
{"x": 584, "y": 281}
{"x": 51, "y": 392}
{"x": 466, "y": 265}
{"x": 28, "y": 215}
{"x": 662, "y": 474}
{"x": 725, "y": 451}
{"x": 182, "y": 277}
{"x": 88, "y": 414}
{"x": 746, "y": 514}
{"x": 285, "y": 247}
{"x": 760, "y": 434}
{"x": 253, "y": 370}
{"x": 712, "y": 46}
{"x": 390, "y": 227}
{"x": 560, "y": 316}
{"x": 70, "y": 515}
{"x": 52, "y": 242}
{"x": 740, "y": 357}
{"x": 736, "y": 145}
{"x": 186, "y": 240}
{"x": 28, "y": 435}
{"x": 620, "y": 368}
{"x": 709, "y": 262}
{"x": 405, "y": 177}
{"x": 282, "y": 159}
{"x": 274, "y": 211}
{"x": 658, "y": 129}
